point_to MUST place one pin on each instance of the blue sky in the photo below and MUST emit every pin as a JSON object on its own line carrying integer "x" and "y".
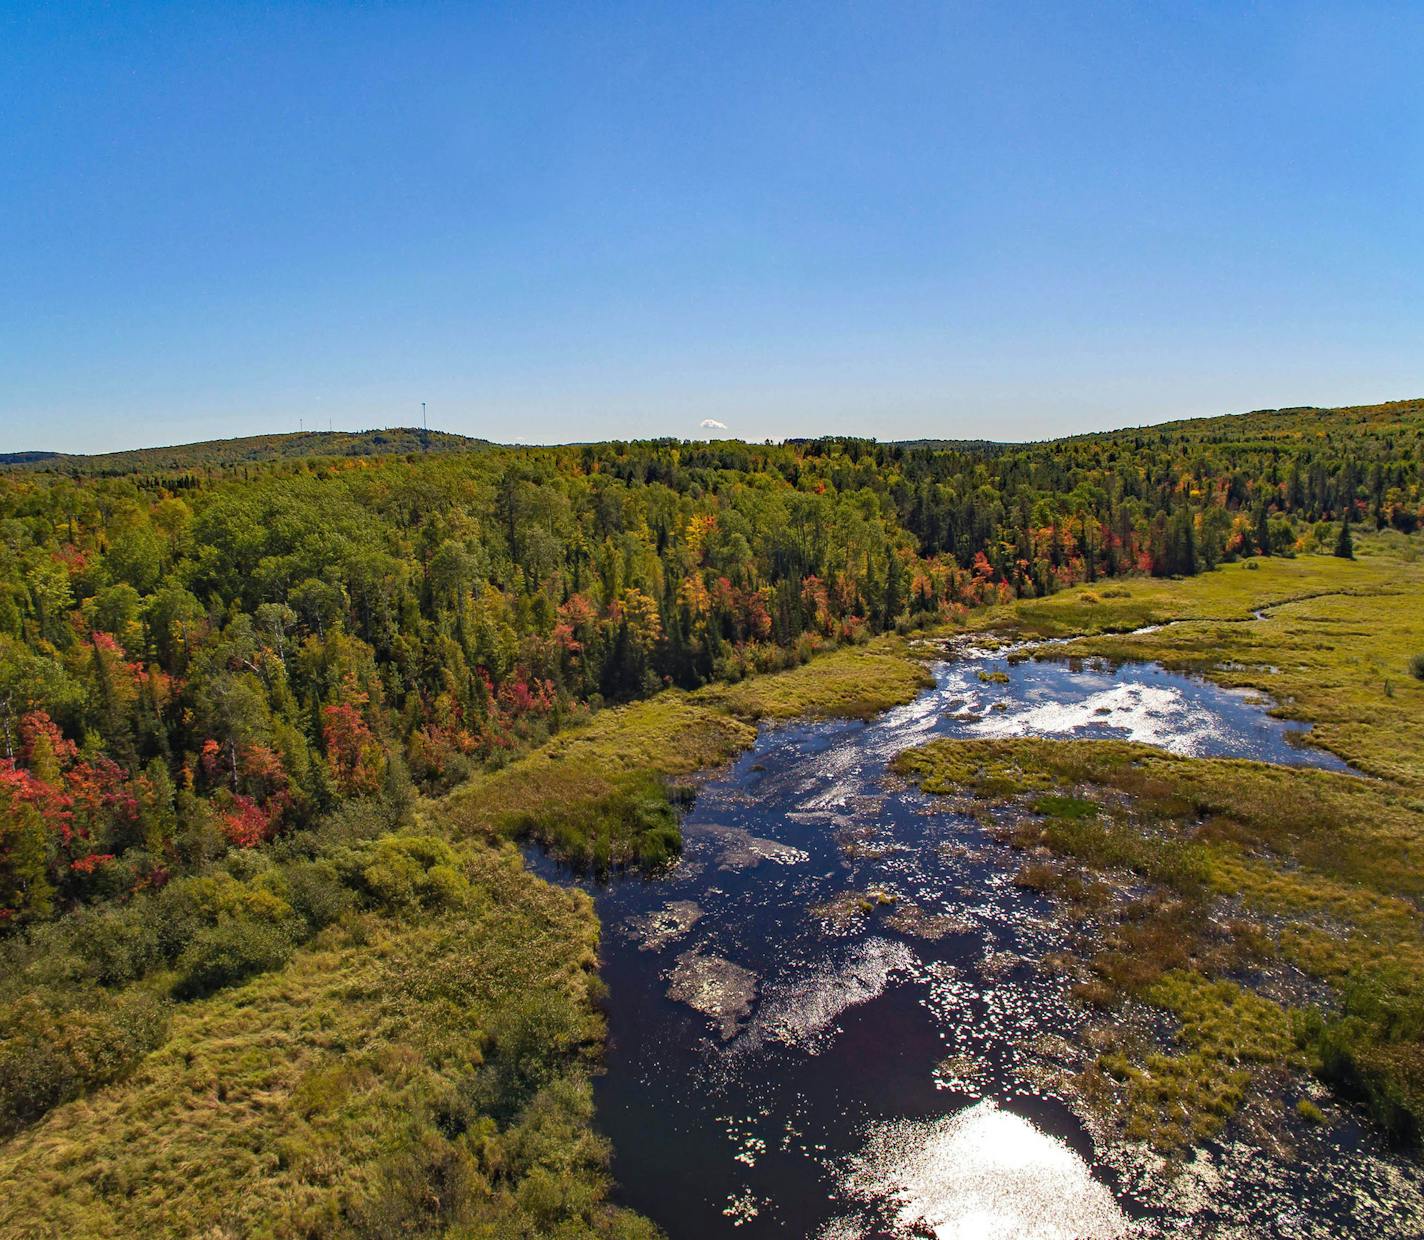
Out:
{"x": 583, "y": 221}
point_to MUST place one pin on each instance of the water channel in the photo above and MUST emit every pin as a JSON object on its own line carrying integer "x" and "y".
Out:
{"x": 783, "y": 1062}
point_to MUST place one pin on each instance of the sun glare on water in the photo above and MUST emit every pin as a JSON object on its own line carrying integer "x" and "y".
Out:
{"x": 984, "y": 1174}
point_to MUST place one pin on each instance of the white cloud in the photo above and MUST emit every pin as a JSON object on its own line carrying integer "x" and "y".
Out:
{"x": 711, "y": 424}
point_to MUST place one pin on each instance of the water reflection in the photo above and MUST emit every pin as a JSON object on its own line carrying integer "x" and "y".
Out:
{"x": 983, "y": 1174}
{"x": 836, "y": 1017}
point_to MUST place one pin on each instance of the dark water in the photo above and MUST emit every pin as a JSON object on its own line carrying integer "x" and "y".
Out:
{"x": 784, "y": 1062}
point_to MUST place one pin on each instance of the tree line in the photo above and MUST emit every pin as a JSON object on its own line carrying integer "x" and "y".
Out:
{"x": 198, "y": 660}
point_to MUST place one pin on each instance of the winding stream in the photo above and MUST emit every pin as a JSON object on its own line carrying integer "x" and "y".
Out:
{"x": 784, "y": 1060}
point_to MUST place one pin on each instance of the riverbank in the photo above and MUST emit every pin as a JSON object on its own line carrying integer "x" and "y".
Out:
{"x": 423, "y": 1064}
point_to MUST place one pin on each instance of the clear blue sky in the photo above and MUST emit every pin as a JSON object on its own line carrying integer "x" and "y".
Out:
{"x": 580, "y": 221}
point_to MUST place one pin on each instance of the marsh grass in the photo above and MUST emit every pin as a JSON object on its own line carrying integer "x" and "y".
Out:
{"x": 854, "y": 681}
{"x": 1325, "y": 871}
{"x": 408, "y": 1073}
{"x": 598, "y": 795}
{"x": 1173, "y": 1099}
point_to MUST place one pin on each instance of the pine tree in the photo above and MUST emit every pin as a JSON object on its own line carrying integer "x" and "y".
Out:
{"x": 110, "y": 716}
{"x": 1263, "y": 532}
{"x": 894, "y": 587}
{"x": 1344, "y": 543}
{"x": 157, "y": 817}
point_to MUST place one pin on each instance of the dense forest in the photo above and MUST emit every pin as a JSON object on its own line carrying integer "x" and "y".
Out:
{"x": 211, "y": 656}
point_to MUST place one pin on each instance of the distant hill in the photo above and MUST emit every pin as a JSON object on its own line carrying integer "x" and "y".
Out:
{"x": 218, "y": 453}
{"x": 1279, "y": 427}
{"x": 1284, "y": 427}
{"x": 1270, "y": 429}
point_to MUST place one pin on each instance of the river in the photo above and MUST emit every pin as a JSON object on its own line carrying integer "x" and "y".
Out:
{"x": 784, "y": 1060}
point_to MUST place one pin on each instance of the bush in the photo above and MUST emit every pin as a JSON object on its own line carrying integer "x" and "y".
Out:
{"x": 119, "y": 944}
{"x": 230, "y": 952}
{"x": 404, "y": 872}
{"x": 419, "y": 1190}
{"x": 53, "y": 1052}
{"x": 1416, "y": 667}
{"x": 317, "y": 894}
{"x": 350, "y": 823}
{"x": 530, "y": 1041}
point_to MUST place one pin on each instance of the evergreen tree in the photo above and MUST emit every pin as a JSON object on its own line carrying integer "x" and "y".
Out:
{"x": 894, "y": 587}
{"x": 1181, "y": 558}
{"x": 110, "y": 716}
{"x": 1263, "y": 532}
{"x": 1344, "y": 543}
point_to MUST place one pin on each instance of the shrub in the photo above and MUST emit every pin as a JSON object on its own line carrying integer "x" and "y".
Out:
{"x": 351, "y": 822}
{"x": 119, "y": 944}
{"x": 421, "y": 1189}
{"x": 230, "y": 952}
{"x": 531, "y": 1038}
{"x": 1416, "y": 667}
{"x": 404, "y": 872}
{"x": 178, "y": 914}
{"x": 317, "y": 894}
{"x": 53, "y": 1052}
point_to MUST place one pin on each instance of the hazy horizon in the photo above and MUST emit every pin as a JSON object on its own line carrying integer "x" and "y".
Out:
{"x": 918, "y": 221}
{"x": 702, "y": 433}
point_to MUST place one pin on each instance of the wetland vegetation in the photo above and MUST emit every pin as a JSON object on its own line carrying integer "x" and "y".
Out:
{"x": 1248, "y": 866}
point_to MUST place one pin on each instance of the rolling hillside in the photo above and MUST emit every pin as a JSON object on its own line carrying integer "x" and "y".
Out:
{"x": 218, "y": 453}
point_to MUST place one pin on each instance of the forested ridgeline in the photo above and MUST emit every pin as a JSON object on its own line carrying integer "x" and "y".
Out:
{"x": 215, "y": 455}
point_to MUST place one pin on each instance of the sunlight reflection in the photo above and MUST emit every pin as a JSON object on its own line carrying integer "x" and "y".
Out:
{"x": 983, "y": 1174}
